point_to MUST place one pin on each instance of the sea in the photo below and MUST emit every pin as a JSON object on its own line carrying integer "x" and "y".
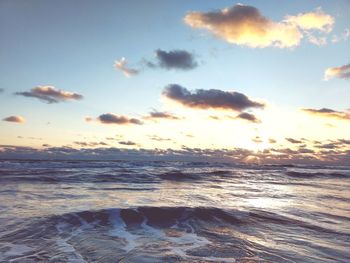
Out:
{"x": 159, "y": 211}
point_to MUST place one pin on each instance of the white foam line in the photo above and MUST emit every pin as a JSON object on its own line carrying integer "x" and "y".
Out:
{"x": 119, "y": 230}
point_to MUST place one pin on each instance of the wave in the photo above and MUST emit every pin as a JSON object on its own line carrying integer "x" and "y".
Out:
{"x": 296, "y": 174}
{"x": 162, "y": 234}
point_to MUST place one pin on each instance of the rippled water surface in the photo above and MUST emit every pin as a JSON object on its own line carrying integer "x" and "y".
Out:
{"x": 60, "y": 211}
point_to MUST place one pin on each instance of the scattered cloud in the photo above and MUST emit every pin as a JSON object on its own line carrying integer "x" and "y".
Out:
{"x": 249, "y": 117}
{"x": 294, "y": 141}
{"x": 89, "y": 119}
{"x": 325, "y": 112}
{"x": 323, "y": 155}
{"x": 157, "y": 138}
{"x": 122, "y": 66}
{"x": 272, "y": 140}
{"x": 90, "y": 144}
{"x": 110, "y": 118}
{"x": 128, "y": 143}
{"x": 155, "y": 115}
{"x": 317, "y": 20}
{"x": 50, "y": 94}
{"x": 342, "y": 72}
{"x": 245, "y": 25}
{"x": 17, "y": 119}
{"x": 174, "y": 59}
{"x": 342, "y": 36}
{"x": 210, "y": 99}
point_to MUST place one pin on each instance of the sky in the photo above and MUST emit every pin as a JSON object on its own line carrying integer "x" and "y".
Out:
{"x": 253, "y": 81}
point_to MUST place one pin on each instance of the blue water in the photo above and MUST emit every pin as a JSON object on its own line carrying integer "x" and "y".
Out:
{"x": 64, "y": 211}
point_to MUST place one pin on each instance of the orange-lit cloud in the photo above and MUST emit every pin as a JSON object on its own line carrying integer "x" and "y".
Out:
{"x": 245, "y": 25}
{"x": 342, "y": 72}
{"x": 17, "y": 119}
{"x": 329, "y": 113}
{"x": 317, "y": 20}
{"x": 122, "y": 66}
{"x": 50, "y": 94}
{"x": 110, "y": 118}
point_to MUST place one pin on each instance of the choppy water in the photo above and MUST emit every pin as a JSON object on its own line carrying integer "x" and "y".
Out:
{"x": 172, "y": 212}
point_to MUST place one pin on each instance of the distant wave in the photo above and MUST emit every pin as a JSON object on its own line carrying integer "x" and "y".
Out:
{"x": 296, "y": 174}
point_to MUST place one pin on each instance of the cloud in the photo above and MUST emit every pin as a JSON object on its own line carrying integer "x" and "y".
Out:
{"x": 90, "y": 144}
{"x": 342, "y": 72}
{"x": 88, "y": 119}
{"x": 110, "y": 118}
{"x": 245, "y": 25}
{"x": 157, "y": 138}
{"x": 50, "y": 94}
{"x": 317, "y": 20}
{"x": 17, "y": 119}
{"x": 122, "y": 66}
{"x": 282, "y": 156}
{"x": 128, "y": 143}
{"x": 212, "y": 98}
{"x": 2, "y": 90}
{"x": 174, "y": 59}
{"x": 161, "y": 115}
{"x": 342, "y": 36}
{"x": 291, "y": 140}
{"x": 325, "y": 112}
{"x": 248, "y": 116}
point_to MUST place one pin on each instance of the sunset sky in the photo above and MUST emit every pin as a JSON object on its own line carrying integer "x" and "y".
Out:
{"x": 247, "y": 81}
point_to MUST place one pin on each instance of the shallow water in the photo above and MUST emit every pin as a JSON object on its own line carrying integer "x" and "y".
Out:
{"x": 60, "y": 211}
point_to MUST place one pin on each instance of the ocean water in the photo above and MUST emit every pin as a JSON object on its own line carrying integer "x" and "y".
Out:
{"x": 124, "y": 211}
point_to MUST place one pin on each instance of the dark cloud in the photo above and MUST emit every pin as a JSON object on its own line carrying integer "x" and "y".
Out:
{"x": 291, "y": 140}
{"x": 162, "y": 115}
{"x": 50, "y": 94}
{"x": 2, "y": 90}
{"x": 17, "y": 119}
{"x": 128, "y": 143}
{"x": 110, "y": 118}
{"x": 325, "y": 112}
{"x": 174, "y": 59}
{"x": 213, "y": 98}
{"x": 248, "y": 116}
{"x": 272, "y": 140}
{"x": 90, "y": 144}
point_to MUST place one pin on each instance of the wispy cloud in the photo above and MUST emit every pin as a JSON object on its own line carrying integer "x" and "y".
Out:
{"x": 128, "y": 143}
{"x": 212, "y": 98}
{"x": 329, "y": 113}
{"x": 342, "y": 72}
{"x": 50, "y": 94}
{"x": 245, "y": 25}
{"x": 156, "y": 115}
{"x": 122, "y": 66}
{"x": 110, "y": 118}
{"x": 16, "y": 119}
